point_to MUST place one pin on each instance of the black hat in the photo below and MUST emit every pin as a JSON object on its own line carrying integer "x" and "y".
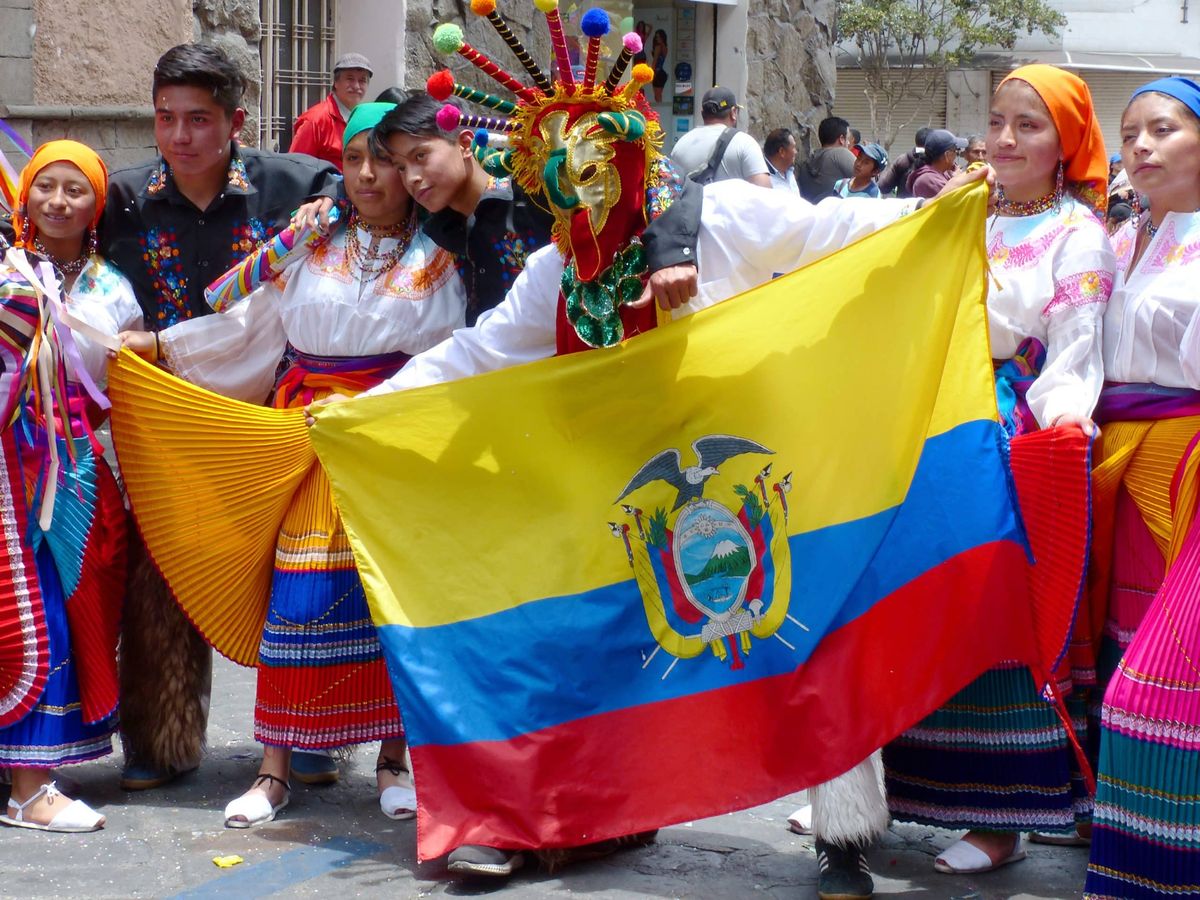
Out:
{"x": 717, "y": 100}
{"x": 938, "y": 141}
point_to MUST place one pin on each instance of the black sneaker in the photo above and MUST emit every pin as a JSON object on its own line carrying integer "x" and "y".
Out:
{"x": 844, "y": 873}
{"x": 471, "y": 859}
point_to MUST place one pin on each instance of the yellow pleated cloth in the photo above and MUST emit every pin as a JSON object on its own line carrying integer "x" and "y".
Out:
{"x": 209, "y": 501}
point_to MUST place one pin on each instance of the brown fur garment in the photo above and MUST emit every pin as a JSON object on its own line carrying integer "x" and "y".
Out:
{"x": 166, "y": 673}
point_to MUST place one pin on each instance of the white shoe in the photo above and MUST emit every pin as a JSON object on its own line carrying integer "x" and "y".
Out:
{"x": 253, "y": 808}
{"x": 801, "y": 820}
{"x": 76, "y": 818}
{"x": 962, "y": 858}
{"x": 400, "y": 800}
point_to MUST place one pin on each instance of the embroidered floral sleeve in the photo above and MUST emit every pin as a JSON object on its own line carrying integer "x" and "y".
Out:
{"x": 1079, "y": 289}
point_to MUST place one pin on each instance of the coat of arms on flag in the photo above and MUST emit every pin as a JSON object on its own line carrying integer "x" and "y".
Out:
{"x": 710, "y": 576}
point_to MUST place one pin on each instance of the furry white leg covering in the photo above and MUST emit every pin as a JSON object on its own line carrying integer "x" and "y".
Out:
{"x": 852, "y": 808}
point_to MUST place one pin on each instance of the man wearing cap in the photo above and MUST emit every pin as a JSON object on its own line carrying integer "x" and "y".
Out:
{"x": 319, "y": 128}
{"x": 941, "y": 153}
{"x": 717, "y": 151}
{"x": 894, "y": 179}
{"x": 832, "y": 161}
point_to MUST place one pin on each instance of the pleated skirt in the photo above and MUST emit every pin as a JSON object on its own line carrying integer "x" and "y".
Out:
{"x": 322, "y": 678}
{"x": 54, "y": 733}
{"x": 1146, "y": 830}
{"x": 995, "y": 757}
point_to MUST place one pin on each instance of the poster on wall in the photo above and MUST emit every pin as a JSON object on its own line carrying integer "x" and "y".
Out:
{"x": 656, "y": 26}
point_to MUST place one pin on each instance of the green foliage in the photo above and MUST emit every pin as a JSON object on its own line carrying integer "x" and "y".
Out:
{"x": 905, "y": 47}
{"x": 657, "y": 535}
{"x": 751, "y": 503}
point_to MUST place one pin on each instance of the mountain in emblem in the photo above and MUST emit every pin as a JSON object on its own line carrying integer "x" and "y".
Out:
{"x": 728, "y": 559}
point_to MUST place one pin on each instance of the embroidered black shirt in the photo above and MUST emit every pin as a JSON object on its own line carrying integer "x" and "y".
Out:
{"x": 170, "y": 250}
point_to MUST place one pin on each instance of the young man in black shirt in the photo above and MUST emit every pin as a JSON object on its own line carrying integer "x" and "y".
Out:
{"x": 172, "y": 225}
{"x": 492, "y": 226}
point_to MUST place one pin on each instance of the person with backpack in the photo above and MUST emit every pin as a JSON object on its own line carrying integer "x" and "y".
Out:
{"x": 716, "y": 150}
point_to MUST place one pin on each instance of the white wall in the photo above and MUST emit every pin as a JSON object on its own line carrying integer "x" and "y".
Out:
{"x": 1125, "y": 26}
{"x": 374, "y": 28}
{"x": 732, "y": 70}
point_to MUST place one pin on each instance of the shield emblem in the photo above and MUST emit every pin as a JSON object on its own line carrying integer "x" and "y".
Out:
{"x": 714, "y": 556}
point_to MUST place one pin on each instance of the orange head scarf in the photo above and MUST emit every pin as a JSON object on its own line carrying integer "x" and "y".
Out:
{"x": 79, "y": 155}
{"x": 1085, "y": 164}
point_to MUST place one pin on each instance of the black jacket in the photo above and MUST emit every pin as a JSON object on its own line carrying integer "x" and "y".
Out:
{"x": 170, "y": 250}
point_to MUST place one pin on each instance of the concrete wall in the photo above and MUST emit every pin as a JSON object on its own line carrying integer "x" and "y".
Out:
{"x": 68, "y": 71}
{"x": 375, "y": 28}
{"x": 1117, "y": 26}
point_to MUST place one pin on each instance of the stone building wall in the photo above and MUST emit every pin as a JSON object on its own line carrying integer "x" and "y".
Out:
{"x": 421, "y": 60}
{"x": 235, "y": 27}
{"x": 68, "y": 71}
{"x": 789, "y": 49}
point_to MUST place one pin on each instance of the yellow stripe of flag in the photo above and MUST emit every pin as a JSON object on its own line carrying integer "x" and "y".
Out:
{"x": 469, "y": 498}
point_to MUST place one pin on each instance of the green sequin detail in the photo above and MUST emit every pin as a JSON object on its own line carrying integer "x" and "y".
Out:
{"x": 594, "y": 307}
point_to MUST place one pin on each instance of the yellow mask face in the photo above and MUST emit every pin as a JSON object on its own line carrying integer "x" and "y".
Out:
{"x": 587, "y": 172}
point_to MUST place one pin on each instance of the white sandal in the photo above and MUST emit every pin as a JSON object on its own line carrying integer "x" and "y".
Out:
{"x": 76, "y": 818}
{"x": 400, "y": 800}
{"x": 801, "y": 820}
{"x": 252, "y": 808}
{"x": 963, "y": 858}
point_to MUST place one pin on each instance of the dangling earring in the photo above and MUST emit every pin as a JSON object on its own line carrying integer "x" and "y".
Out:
{"x": 1058, "y": 185}
{"x": 93, "y": 244}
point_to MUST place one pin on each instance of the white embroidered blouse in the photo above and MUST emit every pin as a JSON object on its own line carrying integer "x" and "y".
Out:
{"x": 1151, "y": 334}
{"x": 322, "y": 306}
{"x": 1053, "y": 272}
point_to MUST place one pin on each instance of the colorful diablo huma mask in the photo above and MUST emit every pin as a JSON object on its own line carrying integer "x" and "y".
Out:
{"x": 590, "y": 151}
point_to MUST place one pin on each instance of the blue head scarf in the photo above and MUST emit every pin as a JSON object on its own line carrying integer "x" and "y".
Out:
{"x": 1184, "y": 90}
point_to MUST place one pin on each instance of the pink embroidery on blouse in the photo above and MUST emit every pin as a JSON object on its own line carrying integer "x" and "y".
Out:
{"x": 1123, "y": 246}
{"x": 1169, "y": 251}
{"x": 1079, "y": 290}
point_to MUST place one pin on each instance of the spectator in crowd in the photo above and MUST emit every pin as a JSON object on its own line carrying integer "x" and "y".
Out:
{"x": 698, "y": 150}
{"x": 1119, "y": 212}
{"x": 976, "y": 149}
{"x": 855, "y": 138}
{"x": 941, "y": 155}
{"x": 895, "y": 177}
{"x": 1115, "y": 167}
{"x": 780, "y": 152}
{"x": 319, "y": 128}
{"x": 869, "y": 161}
{"x": 832, "y": 161}
{"x": 392, "y": 95}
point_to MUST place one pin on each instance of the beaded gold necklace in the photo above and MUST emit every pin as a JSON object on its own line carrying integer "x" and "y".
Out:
{"x": 370, "y": 264}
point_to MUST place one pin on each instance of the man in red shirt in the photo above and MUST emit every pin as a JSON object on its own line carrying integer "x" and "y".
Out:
{"x": 319, "y": 128}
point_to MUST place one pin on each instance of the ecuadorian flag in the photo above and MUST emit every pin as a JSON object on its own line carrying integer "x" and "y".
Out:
{"x": 720, "y": 563}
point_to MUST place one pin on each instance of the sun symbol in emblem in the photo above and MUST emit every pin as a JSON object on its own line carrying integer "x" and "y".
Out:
{"x": 706, "y": 526}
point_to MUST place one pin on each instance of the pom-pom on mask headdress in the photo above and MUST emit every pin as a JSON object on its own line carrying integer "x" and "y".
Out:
{"x": 590, "y": 148}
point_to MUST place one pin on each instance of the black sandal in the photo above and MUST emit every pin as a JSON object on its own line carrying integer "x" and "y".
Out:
{"x": 269, "y": 777}
{"x": 388, "y": 764}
